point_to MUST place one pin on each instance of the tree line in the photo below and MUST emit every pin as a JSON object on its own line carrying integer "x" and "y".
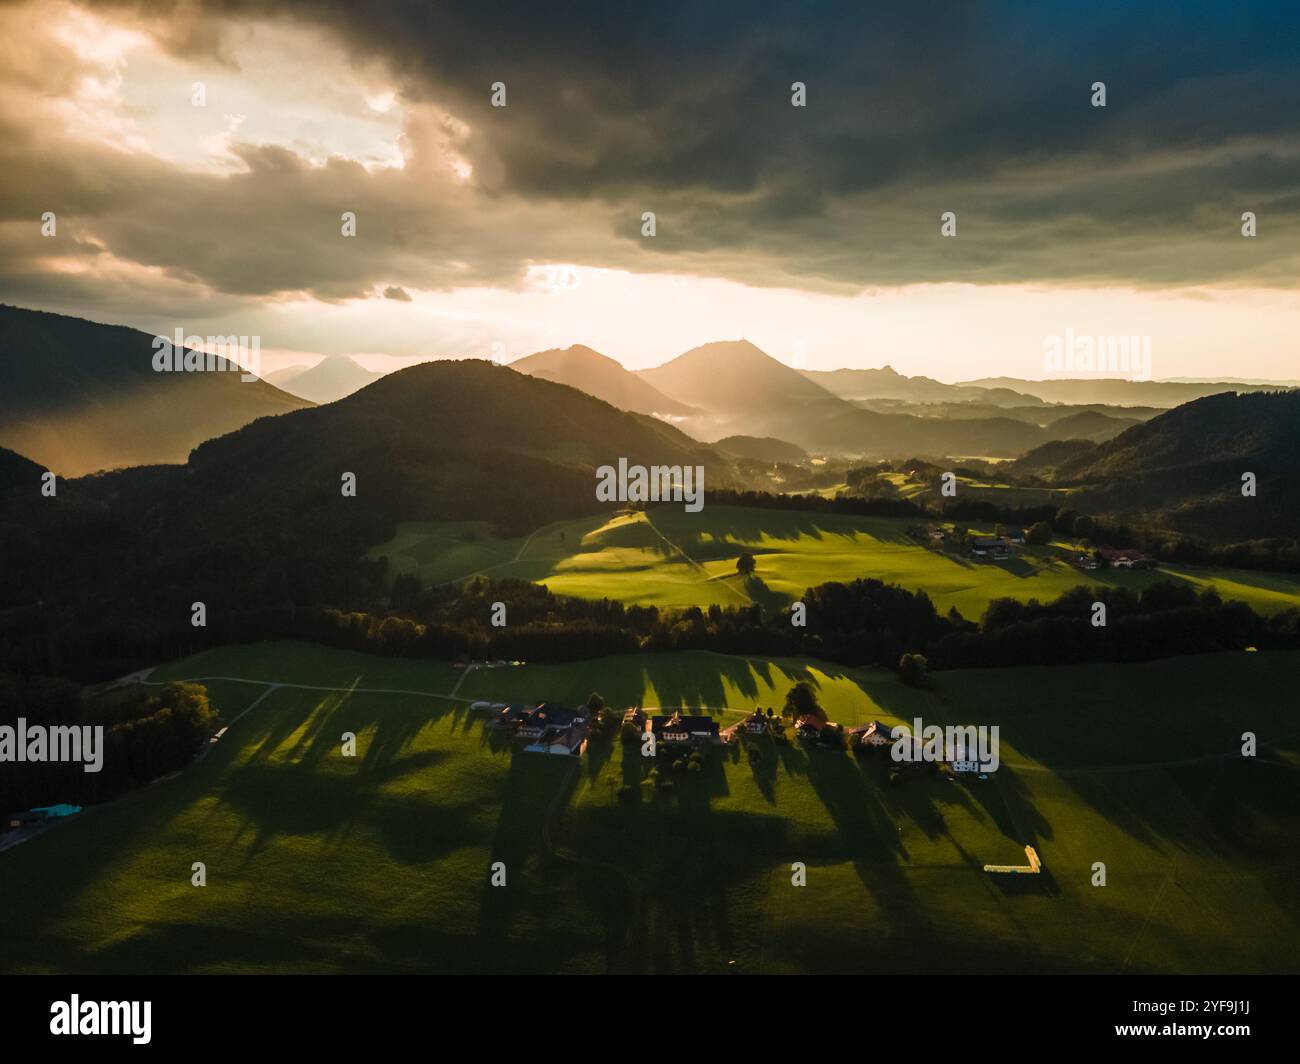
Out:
{"x": 147, "y": 733}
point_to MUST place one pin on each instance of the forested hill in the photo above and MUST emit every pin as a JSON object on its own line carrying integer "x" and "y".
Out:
{"x": 1184, "y": 468}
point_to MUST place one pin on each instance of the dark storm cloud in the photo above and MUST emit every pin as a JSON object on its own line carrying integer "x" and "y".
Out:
{"x": 684, "y": 109}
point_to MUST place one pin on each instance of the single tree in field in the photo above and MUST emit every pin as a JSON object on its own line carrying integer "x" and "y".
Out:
{"x": 914, "y": 669}
{"x": 801, "y": 701}
{"x": 745, "y": 565}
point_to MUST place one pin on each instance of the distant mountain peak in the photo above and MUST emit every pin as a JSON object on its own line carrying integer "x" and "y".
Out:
{"x": 586, "y": 369}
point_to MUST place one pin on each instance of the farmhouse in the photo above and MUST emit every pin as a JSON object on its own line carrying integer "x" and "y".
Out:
{"x": 1126, "y": 559}
{"x": 543, "y": 718}
{"x": 990, "y": 547}
{"x": 509, "y": 716}
{"x": 873, "y": 734}
{"x": 812, "y": 728}
{"x": 755, "y": 723}
{"x": 677, "y": 732}
{"x": 929, "y": 533}
{"x": 566, "y": 739}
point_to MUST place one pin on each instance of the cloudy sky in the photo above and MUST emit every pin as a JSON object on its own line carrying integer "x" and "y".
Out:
{"x": 198, "y": 158}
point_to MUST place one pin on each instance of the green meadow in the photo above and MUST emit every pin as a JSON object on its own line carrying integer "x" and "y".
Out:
{"x": 320, "y": 863}
{"x": 906, "y": 486}
{"x": 669, "y": 558}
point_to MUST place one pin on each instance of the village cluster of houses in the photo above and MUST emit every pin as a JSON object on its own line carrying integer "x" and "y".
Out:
{"x": 998, "y": 547}
{"x": 553, "y": 729}
{"x": 1113, "y": 558}
{"x": 1010, "y": 539}
{"x": 677, "y": 732}
{"x": 808, "y": 727}
{"x": 543, "y": 729}
{"x": 877, "y": 736}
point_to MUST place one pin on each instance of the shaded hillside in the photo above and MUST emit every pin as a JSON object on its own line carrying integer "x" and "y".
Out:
{"x": 762, "y": 449}
{"x": 1184, "y": 468}
{"x": 18, "y": 473}
{"x": 596, "y": 374}
{"x": 259, "y": 515}
{"x": 77, "y": 396}
{"x": 1044, "y": 461}
{"x": 1089, "y": 425}
{"x": 875, "y": 435}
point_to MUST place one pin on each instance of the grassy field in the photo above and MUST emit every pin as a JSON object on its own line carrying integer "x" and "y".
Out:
{"x": 670, "y": 558}
{"x": 320, "y": 863}
{"x": 924, "y": 488}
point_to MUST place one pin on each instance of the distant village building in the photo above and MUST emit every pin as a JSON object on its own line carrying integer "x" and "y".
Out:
{"x": 545, "y": 718}
{"x": 565, "y": 739}
{"x": 509, "y": 716}
{"x": 1127, "y": 558}
{"x": 873, "y": 734}
{"x": 677, "y": 732}
{"x": 989, "y": 547}
{"x": 810, "y": 726}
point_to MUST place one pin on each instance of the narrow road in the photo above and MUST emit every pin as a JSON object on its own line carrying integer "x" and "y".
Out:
{"x": 309, "y": 687}
{"x": 691, "y": 561}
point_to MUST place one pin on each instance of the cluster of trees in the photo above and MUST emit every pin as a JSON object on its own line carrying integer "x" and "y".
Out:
{"x": 864, "y": 622}
{"x": 1166, "y": 619}
{"x": 855, "y": 623}
{"x": 104, "y": 583}
{"x": 147, "y": 734}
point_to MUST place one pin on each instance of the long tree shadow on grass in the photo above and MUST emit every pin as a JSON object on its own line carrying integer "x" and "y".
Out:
{"x": 537, "y": 790}
{"x": 772, "y": 602}
{"x": 915, "y": 793}
{"x": 689, "y": 881}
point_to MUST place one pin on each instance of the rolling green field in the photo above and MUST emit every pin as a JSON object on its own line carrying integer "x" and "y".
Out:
{"x": 320, "y": 863}
{"x": 670, "y": 558}
{"x": 918, "y": 488}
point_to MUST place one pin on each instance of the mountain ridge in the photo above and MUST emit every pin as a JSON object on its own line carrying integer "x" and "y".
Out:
{"x": 79, "y": 396}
